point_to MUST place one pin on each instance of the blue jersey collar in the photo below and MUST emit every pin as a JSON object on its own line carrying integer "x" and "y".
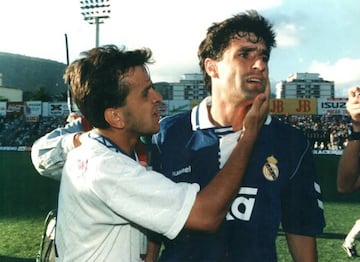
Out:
{"x": 200, "y": 117}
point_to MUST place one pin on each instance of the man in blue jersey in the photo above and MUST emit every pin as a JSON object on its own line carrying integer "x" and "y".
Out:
{"x": 280, "y": 184}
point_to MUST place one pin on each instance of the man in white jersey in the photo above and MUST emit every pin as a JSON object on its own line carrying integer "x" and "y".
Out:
{"x": 107, "y": 199}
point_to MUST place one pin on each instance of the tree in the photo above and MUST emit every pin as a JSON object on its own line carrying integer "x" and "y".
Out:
{"x": 38, "y": 95}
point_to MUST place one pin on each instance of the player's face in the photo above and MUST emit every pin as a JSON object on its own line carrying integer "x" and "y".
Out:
{"x": 141, "y": 110}
{"x": 243, "y": 70}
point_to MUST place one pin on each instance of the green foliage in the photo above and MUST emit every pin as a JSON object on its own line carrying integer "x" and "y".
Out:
{"x": 28, "y": 73}
{"x": 39, "y": 94}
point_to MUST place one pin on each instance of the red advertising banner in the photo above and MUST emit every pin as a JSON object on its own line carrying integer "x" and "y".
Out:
{"x": 15, "y": 108}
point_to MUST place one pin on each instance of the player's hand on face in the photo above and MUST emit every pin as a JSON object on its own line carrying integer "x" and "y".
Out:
{"x": 72, "y": 117}
{"x": 353, "y": 103}
{"x": 258, "y": 111}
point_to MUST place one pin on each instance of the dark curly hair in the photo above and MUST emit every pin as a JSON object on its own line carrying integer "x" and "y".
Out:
{"x": 241, "y": 25}
{"x": 97, "y": 79}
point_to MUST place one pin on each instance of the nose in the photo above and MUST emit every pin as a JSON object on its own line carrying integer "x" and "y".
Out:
{"x": 156, "y": 97}
{"x": 259, "y": 64}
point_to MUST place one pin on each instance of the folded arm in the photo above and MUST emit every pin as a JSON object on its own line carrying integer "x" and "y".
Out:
{"x": 48, "y": 153}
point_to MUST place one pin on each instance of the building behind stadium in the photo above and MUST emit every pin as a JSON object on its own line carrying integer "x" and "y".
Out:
{"x": 299, "y": 94}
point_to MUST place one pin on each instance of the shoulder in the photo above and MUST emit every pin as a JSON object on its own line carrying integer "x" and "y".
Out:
{"x": 101, "y": 160}
{"x": 173, "y": 129}
{"x": 285, "y": 135}
{"x": 175, "y": 124}
{"x": 284, "y": 128}
{"x": 176, "y": 120}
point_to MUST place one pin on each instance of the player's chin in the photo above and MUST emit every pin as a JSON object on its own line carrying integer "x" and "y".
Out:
{"x": 252, "y": 90}
{"x": 150, "y": 131}
{"x": 251, "y": 95}
{"x": 260, "y": 90}
{"x": 155, "y": 127}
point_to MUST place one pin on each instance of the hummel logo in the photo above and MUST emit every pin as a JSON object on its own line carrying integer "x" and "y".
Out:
{"x": 181, "y": 171}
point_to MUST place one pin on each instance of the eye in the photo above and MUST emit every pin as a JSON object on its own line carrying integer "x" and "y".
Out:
{"x": 265, "y": 58}
{"x": 244, "y": 54}
{"x": 145, "y": 92}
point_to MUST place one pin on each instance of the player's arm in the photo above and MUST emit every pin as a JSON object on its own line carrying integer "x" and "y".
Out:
{"x": 302, "y": 248}
{"x": 302, "y": 209}
{"x": 153, "y": 251}
{"x": 213, "y": 201}
{"x": 48, "y": 153}
{"x": 348, "y": 179}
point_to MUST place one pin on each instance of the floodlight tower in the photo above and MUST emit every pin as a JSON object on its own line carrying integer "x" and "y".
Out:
{"x": 95, "y": 12}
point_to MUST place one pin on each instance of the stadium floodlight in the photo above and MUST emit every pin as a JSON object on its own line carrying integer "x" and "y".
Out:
{"x": 95, "y": 12}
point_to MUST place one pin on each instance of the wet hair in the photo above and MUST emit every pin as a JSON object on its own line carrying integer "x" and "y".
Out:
{"x": 249, "y": 24}
{"x": 97, "y": 79}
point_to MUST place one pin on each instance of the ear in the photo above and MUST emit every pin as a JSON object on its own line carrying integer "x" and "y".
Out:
{"x": 211, "y": 67}
{"x": 115, "y": 117}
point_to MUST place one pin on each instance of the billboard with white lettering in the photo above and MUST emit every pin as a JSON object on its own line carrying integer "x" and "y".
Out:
{"x": 57, "y": 109}
{"x": 33, "y": 108}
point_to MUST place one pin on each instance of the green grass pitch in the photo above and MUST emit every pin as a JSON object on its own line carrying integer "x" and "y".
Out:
{"x": 26, "y": 197}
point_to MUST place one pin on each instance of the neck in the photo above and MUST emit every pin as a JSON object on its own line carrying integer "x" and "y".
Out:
{"x": 225, "y": 114}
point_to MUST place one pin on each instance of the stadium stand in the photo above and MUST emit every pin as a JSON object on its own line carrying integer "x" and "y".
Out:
{"x": 324, "y": 132}
{"x": 15, "y": 131}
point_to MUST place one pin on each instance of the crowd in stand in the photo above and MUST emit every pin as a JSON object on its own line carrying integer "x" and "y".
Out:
{"x": 324, "y": 132}
{"x": 16, "y": 131}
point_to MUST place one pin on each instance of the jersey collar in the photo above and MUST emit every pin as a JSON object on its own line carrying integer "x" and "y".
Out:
{"x": 109, "y": 144}
{"x": 200, "y": 118}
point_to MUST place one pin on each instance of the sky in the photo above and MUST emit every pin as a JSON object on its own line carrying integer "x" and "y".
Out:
{"x": 314, "y": 36}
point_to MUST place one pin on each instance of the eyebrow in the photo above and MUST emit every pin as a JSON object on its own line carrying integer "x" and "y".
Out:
{"x": 262, "y": 51}
{"x": 147, "y": 87}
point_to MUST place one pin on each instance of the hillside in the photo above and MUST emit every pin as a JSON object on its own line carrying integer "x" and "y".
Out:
{"x": 28, "y": 73}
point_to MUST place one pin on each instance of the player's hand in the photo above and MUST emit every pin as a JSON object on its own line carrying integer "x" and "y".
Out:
{"x": 77, "y": 139}
{"x": 257, "y": 113}
{"x": 353, "y": 106}
{"x": 72, "y": 117}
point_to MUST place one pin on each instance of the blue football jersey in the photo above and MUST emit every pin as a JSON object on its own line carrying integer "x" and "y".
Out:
{"x": 279, "y": 186}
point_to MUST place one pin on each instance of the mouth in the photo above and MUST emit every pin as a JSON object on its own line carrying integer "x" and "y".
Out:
{"x": 156, "y": 114}
{"x": 256, "y": 83}
{"x": 257, "y": 80}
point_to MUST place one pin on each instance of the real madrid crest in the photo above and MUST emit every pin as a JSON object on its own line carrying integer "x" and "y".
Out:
{"x": 270, "y": 169}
